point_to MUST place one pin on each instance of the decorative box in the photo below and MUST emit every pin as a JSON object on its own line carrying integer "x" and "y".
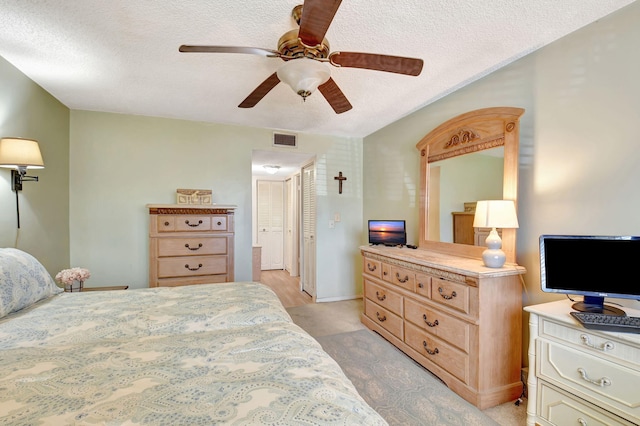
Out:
{"x": 193, "y": 196}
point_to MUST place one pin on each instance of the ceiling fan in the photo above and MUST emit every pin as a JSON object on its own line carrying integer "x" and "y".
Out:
{"x": 306, "y": 53}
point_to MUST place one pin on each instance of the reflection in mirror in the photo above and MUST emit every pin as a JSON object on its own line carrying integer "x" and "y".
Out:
{"x": 457, "y": 183}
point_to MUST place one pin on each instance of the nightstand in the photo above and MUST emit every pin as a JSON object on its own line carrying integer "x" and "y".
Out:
{"x": 115, "y": 287}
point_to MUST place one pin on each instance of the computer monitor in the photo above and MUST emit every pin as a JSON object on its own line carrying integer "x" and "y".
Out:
{"x": 595, "y": 267}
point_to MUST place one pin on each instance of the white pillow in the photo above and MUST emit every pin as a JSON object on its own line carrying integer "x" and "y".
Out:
{"x": 23, "y": 281}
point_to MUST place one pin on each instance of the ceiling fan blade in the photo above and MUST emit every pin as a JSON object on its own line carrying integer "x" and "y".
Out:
{"x": 315, "y": 20}
{"x": 260, "y": 91}
{"x": 372, "y": 61}
{"x": 229, "y": 49}
{"x": 334, "y": 96}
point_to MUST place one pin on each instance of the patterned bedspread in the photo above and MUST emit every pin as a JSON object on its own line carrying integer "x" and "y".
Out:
{"x": 202, "y": 354}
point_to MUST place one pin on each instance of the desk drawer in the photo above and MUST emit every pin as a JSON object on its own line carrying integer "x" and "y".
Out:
{"x": 614, "y": 386}
{"x": 191, "y": 246}
{"x": 605, "y": 345}
{"x": 191, "y": 266}
{"x": 561, "y": 408}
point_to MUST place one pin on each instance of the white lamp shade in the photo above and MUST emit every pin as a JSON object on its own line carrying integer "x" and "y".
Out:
{"x": 304, "y": 75}
{"x": 18, "y": 152}
{"x": 495, "y": 214}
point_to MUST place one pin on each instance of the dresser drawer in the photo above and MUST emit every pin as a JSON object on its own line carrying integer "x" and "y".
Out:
{"x": 191, "y": 266}
{"x": 614, "y": 386}
{"x": 384, "y": 297}
{"x": 384, "y": 317}
{"x": 437, "y": 351}
{"x": 191, "y": 246}
{"x": 193, "y": 223}
{"x": 405, "y": 278}
{"x": 219, "y": 223}
{"x": 423, "y": 285}
{"x": 447, "y": 328}
{"x": 561, "y": 408}
{"x": 372, "y": 267}
{"x": 451, "y": 294}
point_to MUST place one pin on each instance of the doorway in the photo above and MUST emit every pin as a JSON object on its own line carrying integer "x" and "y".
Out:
{"x": 286, "y": 253}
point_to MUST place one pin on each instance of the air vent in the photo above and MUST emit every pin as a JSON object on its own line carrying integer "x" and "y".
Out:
{"x": 283, "y": 139}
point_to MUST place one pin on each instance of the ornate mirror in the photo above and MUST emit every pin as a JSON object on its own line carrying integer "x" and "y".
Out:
{"x": 474, "y": 133}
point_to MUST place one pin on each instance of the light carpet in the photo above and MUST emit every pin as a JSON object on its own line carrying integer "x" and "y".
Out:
{"x": 398, "y": 388}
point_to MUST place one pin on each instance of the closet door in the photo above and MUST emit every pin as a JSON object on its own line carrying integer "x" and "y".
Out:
{"x": 309, "y": 229}
{"x": 288, "y": 219}
{"x": 270, "y": 213}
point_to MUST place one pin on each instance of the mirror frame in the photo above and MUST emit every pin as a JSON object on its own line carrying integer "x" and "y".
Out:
{"x": 467, "y": 133}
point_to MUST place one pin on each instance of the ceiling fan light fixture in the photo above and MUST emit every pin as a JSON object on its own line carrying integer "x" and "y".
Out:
{"x": 271, "y": 169}
{"x": 304, "y": 75}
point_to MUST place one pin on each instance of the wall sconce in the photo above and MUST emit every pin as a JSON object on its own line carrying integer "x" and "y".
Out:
{"x": 304, "y": 75}
{"x": 19, "y": 155}
{"x": 272, "y": 170}
{"x": 495, "y": 214}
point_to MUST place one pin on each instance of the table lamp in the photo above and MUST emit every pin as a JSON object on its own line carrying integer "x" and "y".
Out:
{"x": 495, "y": 214}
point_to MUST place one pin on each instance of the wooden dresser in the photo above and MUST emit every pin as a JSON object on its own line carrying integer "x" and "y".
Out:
{"x": 465, "y": 233}
{"x": 190, "y": 244}
{"x": 579, "y": 376}
{"x": 456, "y": 317}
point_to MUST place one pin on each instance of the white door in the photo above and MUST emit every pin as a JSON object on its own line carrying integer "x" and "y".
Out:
{"x": 295, "y": 226}
{"x": 308, "y": 279}
{"x": 288, "y": 220}
{"x": 270, "y": 213}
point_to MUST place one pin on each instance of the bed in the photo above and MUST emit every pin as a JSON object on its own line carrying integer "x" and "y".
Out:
{"x": 202, "y": 354}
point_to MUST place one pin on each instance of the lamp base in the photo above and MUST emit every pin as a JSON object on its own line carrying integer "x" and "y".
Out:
{"x": 493, "y": 258}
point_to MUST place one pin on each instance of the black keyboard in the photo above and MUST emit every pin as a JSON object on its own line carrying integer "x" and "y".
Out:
{"x": 621, "y": 324}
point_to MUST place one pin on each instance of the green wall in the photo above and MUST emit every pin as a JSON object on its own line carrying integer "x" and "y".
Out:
{"x": 28, "y": 111}
{"x": 121, "y": 163}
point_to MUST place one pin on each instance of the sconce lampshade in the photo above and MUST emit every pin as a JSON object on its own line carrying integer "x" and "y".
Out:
{"x": 304, "y": 75}
{"x": 18, "y": 153}
{"x": 495, "y": 214}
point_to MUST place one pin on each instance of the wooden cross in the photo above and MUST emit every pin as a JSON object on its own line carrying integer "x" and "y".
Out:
{"x": 340, "y": 178}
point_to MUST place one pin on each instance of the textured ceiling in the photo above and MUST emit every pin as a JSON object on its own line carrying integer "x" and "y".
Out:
{"x": 122, "y": 55}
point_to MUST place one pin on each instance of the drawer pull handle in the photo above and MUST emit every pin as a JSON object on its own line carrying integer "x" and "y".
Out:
{"x": 193, "y": 225}
{"x": 371, "y": 268}
{"x": 605, "y": 381}
{"x": 430, "y": 324}
{"x": 166, "y": 224}
{"x": 429, "y": 351}
{"x": 381, "y": 318}
{"x": 606, "y": 346}
{"x": 582, "y": 421}
{"x": 219, "y": 223}
{"x": 381, "y": 298}
{"x": 420, "y": 285}
{"x": 402, "y": 280}
{"x": 193, "y": 248}
{"x": 385, "y": 273}
{"x": 193, "y": 269}
{"x": 446, "y": 296}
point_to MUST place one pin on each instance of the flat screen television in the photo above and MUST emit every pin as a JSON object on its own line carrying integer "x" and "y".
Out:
{"x": 594, "y": 267}
{"x": 387, "y": 232}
